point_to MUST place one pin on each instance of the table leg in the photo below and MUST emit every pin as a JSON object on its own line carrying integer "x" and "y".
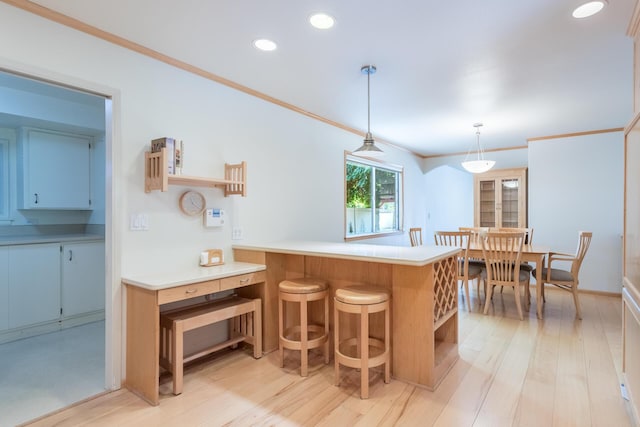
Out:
{"x": 539, "y": 285}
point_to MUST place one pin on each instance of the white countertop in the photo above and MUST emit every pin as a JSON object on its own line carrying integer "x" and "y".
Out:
{"x": 403, "y": 255}
{"x": 158, "y": 281}
{"x": 47, "y": 238}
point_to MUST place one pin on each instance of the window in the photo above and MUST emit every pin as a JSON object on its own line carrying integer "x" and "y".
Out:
{"x": 373, "y": 198}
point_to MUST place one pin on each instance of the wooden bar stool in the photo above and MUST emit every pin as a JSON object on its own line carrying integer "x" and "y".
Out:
{"x": 303, "y": 291}
{"x": 370, "y": 352}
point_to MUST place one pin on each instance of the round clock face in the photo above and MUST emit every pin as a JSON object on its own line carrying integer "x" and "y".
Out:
{"x": 192, "y": 203}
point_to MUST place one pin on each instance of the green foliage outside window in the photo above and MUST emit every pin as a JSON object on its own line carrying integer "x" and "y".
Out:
{"x": 358, "y": 186}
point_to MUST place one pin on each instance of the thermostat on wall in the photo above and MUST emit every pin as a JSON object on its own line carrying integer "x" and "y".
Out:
{"x": 214, "y": 218}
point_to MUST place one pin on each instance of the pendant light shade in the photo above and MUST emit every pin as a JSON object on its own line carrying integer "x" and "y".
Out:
{"x": 368, "y": 147}
{"x": 480, "y": 165}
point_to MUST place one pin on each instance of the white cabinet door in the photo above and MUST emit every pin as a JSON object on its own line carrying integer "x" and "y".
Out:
{"x": 56, "y": 171}
{"x": 83, "y": 278}
{"x": 4, "y": 288}
{"x": 34, "y": 284}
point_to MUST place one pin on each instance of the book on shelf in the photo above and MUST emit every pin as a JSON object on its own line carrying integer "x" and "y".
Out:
{"x": 174, "y": 153}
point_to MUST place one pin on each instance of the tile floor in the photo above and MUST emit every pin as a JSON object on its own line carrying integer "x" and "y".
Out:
{"x": 41, "y": 374}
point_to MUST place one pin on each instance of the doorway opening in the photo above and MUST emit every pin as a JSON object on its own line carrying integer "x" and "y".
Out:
{"x": 56, "y": 320}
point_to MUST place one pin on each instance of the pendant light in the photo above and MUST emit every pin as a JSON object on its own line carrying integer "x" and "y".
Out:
{"x": 480, "y": 165}
{"x": 368, "y": 147}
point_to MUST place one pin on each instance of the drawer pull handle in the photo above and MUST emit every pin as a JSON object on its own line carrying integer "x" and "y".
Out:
{"x": 243, "y": 281}
{"x": 191, "y": 291}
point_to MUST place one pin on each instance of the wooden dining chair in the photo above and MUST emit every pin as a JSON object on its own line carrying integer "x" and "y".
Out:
{"x": 502, "y": 253}
{"x": 476, "y": 233}
{"x": 466, "y": 271}
{"x": 415, "y": 235}
{"x": 528, "y": 232}
{"x": 567, "y": 279}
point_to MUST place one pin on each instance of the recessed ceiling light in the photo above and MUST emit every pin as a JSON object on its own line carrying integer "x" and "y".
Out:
{"x": 265, "y": 44}
{"x": 589, "y": 9}
{"x": 322, "y": 21}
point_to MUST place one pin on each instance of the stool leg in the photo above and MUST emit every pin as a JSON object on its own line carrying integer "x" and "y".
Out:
{"x": 304, "y": 338}
{"x": 387, "y": 345}
{"x": 177, "y": 357}
{"x": 257, "y": 328}
{"x": 336, "y": 343}
{"x": 326, "y": 329}
{"x": 280, "y": 331}
{"x": 364, "y": 348}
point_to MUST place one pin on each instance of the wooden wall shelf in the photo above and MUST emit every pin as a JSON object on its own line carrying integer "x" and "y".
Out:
{"x": 156, "y": 176}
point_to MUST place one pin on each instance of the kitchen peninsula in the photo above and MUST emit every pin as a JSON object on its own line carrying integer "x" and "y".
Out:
{"x": 422, "y": 281}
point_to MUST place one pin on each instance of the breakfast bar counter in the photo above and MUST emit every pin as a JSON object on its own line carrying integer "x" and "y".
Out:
{"x": 423, "y": 284}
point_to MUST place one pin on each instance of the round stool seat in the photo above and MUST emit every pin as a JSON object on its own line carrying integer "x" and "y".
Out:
{"x": 363, "y": 295}
{"x": 305, "y": 285}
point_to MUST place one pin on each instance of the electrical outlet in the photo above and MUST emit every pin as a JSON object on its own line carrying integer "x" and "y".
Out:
{"x": 237, "y": 233}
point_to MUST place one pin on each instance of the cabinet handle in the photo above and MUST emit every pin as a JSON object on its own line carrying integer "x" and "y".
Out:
{"x": 190, "y": 291}
{"x": 243, "y": 281}
{"x": 36, "y": 195}
{"x": 70, "y": 255}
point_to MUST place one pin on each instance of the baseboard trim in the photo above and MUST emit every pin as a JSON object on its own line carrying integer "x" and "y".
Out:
{"x": 586, "y": 291}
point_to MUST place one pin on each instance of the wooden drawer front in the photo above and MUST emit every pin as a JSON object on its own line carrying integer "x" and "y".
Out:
{"x": 188, "y": 291}
{"x": 242, "y": 280}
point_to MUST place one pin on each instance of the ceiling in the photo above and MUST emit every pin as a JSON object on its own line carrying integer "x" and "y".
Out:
{"x": 523, "y": 68}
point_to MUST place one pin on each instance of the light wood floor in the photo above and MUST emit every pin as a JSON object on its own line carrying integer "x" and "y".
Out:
{"x": 556, "y": 372}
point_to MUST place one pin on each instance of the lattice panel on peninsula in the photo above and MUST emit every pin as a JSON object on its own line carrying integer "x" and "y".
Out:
{"x": 445, "y": 288}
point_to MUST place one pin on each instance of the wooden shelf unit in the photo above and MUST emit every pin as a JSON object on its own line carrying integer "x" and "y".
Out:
{"x": 156, "y": 176}
{"x": 500, "y": 198}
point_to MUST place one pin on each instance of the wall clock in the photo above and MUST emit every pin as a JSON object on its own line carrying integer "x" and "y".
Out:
{"x": 192, "y": 202}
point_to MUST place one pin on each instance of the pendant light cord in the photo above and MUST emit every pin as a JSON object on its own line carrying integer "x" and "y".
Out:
{"x": 369, "y": 100}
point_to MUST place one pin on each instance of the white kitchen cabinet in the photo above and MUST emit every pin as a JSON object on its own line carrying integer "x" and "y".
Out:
{"x": 34, "y": 284}
{"x": 83, "y": 278}
{"x": 54, "y": 170}
{"x": 4, "y": 288}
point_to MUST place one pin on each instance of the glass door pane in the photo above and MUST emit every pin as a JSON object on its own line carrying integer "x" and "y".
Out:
{"x": 509, "y": 190}
{"x": 487, "y": 204}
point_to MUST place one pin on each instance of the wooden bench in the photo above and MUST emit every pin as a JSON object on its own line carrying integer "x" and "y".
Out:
{"x": 245, "y": 324}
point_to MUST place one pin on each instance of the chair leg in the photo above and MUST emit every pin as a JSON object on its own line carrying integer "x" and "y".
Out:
{"x": 488, "y": 292}
{"x": 574, "y": 291}
{"x": 516, "y": 290}
{"x": 466, "y": 293}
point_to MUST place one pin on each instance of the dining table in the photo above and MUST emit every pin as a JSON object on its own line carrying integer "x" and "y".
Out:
{"x": 530, "y": 253}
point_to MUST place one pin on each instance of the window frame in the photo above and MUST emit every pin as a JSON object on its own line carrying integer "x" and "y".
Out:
{"x": 378, "y": 164}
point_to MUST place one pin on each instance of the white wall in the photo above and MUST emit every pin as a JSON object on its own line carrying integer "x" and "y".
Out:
{"x": 295, "y": 164}
{"x": 449, "y": 200}
{"x": 576, "y": 184}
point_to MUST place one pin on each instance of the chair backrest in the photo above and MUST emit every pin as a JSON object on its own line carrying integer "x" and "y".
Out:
{"x": 528, "y": 232}
{"x": 459, "y": 239}
{"x": 502, "y": 252}
{"x": 584, "y": 240}
{"x": 453, "y": 238}
{"x": 475, "y": 231}
{"x": 415, "y": 235}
